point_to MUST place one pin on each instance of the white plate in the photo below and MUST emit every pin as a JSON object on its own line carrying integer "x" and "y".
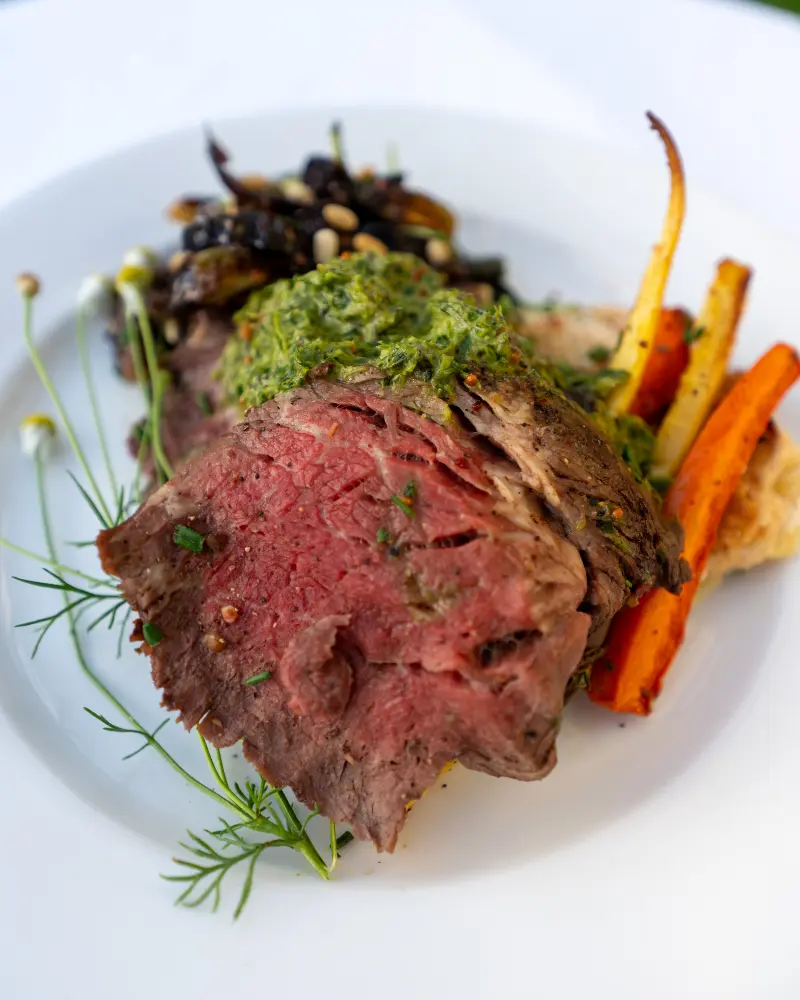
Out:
{"x": 658, "y": 860}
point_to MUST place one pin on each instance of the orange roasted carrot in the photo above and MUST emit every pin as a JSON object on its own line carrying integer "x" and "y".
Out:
{"x": 669, "y": 357}
{"x": 644, "y": 639}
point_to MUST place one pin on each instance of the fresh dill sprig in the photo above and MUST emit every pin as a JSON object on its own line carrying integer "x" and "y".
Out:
{"x": 146, "y": 744}
{"x": 59, "y": 567}
{"x": 260, "y": 811}
{"x": 205, "y": 879}
{"x": 84, "y": 600}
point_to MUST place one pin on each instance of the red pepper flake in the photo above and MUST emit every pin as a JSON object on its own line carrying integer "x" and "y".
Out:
{"x": 345, "y": 256}
{"x": 516, "y": 355}
{"x": 248, "y": 359}
{"x": 334, "y": 427}
{"x": 617, "y": 512}
{"x": 417, "y": 274}
{"x": 229, "y": 614}
{"x": 471, "y": 379}
{"x": 246, "y": 331}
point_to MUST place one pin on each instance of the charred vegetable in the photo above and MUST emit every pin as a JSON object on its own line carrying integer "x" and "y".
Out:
{"x": 644, "y": 639}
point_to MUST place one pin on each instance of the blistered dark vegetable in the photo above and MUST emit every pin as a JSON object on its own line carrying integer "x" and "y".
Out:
{"x": 215, "y": 276}
{"x": 265, "y": 229}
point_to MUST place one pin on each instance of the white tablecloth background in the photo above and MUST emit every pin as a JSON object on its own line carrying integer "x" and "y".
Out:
{"x": 81, "y": 77}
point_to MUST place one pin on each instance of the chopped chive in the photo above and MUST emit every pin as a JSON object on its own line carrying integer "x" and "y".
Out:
{"x": 188, "y": 538}
{"x": 152, "y": 634}
{"x": 258, "y": 678}
{"x": 410, "y": 491}
{"x": 382, "y": 535}
{"x": 404, "y": 505}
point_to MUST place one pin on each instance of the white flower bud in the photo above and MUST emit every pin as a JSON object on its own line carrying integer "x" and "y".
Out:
{"x": 142, "y": 257}
{"x": 96, "y": 295}
{"x": 131, "y": 284}
{"x": 37, "y": 434}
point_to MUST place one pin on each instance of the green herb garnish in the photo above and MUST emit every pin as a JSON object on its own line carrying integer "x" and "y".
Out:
{"x": 660, "y": 483}
{"x": 599, "y": 354}
{"x": 692, "y": 333}
{"x": 387, "y": 312}
{"x": 382, "y": 536}
{"x": 410, "y": 490}
{"x": 258, "y": 678}
{"x": 403, "y": 504}
{"x": 152, "y": 634}
{"x": 583, "y": 387}
{"x": 262, "y": 816}
{"x": 390, "y": 314}
{"x": 188, "y": 538}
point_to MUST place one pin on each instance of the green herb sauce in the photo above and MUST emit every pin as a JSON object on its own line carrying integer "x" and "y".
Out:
{"x": 391, "y": 312}
{"x": 385, "y": 311}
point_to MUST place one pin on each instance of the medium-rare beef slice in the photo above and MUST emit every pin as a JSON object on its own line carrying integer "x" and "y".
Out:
{"x": 409, "y": 610}
{"x": 573, "y": 473}
{"x": 626, "y": 544}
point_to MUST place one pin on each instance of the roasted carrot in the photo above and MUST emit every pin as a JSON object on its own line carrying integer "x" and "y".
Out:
{"x": 666, "y": 363}
{"x": 636, "y": 343}
{"x": 644, "y": 639}
{"x": 701, "y": 384}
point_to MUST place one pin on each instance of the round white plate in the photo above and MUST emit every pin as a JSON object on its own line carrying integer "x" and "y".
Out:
{"x": 659, "y": 860}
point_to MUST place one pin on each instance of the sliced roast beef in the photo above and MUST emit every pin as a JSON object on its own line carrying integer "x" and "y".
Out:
{"x": 417, "y": 588}
{"x": 576, "y": 477}
{"x": 587, "y": 489}
{"x": 399, "y": 584}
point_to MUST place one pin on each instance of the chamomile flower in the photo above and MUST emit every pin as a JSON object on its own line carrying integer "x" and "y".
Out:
{"x": 37, "y": 434}
{"x": 96, "y": 295}
{"x": 140, "y": 257}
